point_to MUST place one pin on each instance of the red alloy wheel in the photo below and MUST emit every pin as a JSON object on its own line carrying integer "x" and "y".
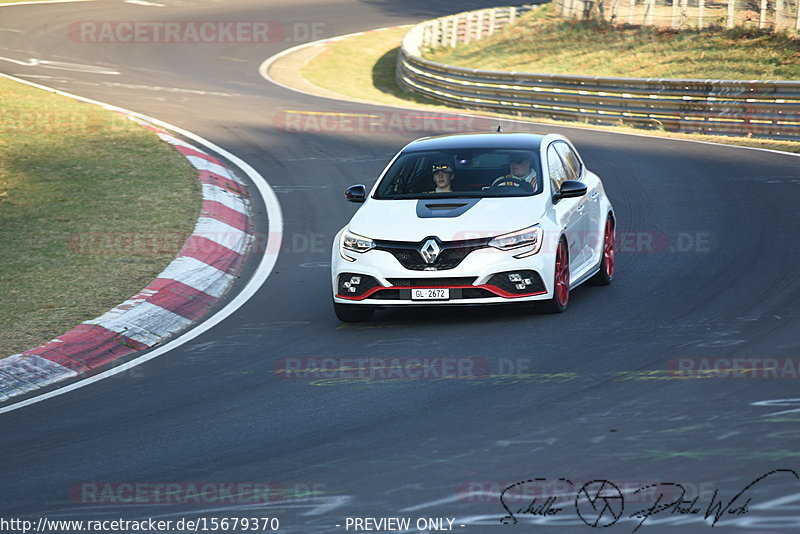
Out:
{"x": 562, "y": 274}
{"x": 608, "y": 248}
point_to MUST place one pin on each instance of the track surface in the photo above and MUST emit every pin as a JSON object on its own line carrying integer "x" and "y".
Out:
{"x": 597, "y": 404}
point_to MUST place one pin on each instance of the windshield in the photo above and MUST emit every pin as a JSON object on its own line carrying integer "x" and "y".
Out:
{"x": 474, "y": 172}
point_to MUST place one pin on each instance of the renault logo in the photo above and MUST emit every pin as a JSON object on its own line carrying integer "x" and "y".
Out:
{"x": 430, "y": 251}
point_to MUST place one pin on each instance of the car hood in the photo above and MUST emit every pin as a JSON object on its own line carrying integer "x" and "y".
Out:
{"x": 452, "y": 219}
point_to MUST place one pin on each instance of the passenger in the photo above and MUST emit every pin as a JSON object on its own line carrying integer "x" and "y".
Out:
{"x": 521, "y": 169}
{"x": 443, "y": 175}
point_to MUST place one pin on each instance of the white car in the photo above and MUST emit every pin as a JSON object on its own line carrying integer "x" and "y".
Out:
{"x": 474, "y": 219}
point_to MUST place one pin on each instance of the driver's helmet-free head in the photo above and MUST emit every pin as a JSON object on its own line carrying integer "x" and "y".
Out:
{"x": 442, "y": 166}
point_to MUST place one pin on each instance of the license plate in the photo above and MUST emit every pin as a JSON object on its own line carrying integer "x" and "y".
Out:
{"x": 430, "y": 294}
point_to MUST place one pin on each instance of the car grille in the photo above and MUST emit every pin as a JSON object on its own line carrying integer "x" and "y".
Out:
{"x": 386, "y": 294}
{"x": 451, "y": 255}
{"x": 476, "y": 293}
{"x": 432, "y": 282}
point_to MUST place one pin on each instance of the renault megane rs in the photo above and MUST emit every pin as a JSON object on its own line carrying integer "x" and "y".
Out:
{"x": 474, "y": 219}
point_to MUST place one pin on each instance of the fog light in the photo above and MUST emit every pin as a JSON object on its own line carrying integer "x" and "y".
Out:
{"x": 520, "y": 286}
{"x": 527, "y": 281}
{"x": 355, "y": 280}
{"x": 514, "y": 278}
{"x": 351, "y": 289}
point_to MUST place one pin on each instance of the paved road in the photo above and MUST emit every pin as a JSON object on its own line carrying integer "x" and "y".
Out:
{"x": 707, "y": 270}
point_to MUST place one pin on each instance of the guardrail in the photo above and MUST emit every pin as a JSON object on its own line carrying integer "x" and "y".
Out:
{"x": 754, "y": 108}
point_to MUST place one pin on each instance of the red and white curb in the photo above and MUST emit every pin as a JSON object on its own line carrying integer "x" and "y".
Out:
{"x": 195, "y": 280}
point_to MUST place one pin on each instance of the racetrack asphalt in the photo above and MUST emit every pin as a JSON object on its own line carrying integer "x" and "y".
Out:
{"x": 706, "y": 270}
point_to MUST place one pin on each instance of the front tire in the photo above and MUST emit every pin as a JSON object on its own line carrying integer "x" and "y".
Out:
{"x": 560, "y": 300}
{"x": 352, "y": 313}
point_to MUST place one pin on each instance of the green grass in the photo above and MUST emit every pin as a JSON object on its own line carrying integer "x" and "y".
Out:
{"x": 362, "y": 67}
{"x": 84, "y": 194}
{"x": 541, "y": 42}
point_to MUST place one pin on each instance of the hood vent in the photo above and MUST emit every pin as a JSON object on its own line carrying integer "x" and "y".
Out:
{"x": 444, "y": 208}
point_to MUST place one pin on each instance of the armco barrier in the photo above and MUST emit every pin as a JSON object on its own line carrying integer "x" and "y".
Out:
{"x": 727, "y": 107}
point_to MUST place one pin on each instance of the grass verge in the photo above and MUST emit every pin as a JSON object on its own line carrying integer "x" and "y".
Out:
{"x": 540, "y": 41}
{"x": 92, "y": 207}
{"x": 363, "y": 67}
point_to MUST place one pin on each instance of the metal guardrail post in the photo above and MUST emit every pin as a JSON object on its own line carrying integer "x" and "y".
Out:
{"x": 729, "y": 18}
{"x": 700, "y": 12}
{"x": 797, "y": 18}
{"x": 674, "y": 19}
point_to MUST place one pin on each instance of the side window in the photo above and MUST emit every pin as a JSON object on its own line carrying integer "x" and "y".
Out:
{"x": 571, "y": 162}
{"x": 557, "y": 172}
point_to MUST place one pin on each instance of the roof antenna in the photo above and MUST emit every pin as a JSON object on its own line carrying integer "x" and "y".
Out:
{"x": 499, "y": 129}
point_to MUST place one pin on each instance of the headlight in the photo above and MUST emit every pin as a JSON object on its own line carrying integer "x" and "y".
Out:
{"x": 529, "y": 237}
{"x": 354, "y": 243}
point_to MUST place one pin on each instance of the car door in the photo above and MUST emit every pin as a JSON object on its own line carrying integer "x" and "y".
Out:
{"x": 568, "y": 211}
{"x": 590, "y": 223}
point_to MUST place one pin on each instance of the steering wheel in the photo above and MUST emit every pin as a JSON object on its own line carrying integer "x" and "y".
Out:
{"x": 513, "y": 182}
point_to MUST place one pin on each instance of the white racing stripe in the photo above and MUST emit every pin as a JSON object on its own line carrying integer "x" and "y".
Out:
{"x": 26, "y": 373}
{"x": 29, "y": 3}
{"x": 202, "y": 164}
{"x": 220, "y": 281}
{"x": 170, "y": 139}
{"x": 145, "y": 323}
{"x": 224, "y": 197}
{"x": 198, "y": 275}
{"x": 61, "y": 65}
{"x": 143, "y": 3}
{"x": 221, "y": 233}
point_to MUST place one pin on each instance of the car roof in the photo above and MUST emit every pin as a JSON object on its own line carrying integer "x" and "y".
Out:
{"x": 524, "y": 141}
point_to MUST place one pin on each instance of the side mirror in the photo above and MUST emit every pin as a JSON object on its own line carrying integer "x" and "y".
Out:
{"x": 358, "y": 193}
{"x": 570, "y": 189}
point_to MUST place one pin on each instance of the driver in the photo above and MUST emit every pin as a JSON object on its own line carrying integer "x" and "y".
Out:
{"x": 443, "y": 175}
{"x": 521, "y": 169}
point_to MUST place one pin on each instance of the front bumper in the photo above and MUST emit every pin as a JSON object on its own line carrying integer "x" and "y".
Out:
{"x": 485, "y": 276}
